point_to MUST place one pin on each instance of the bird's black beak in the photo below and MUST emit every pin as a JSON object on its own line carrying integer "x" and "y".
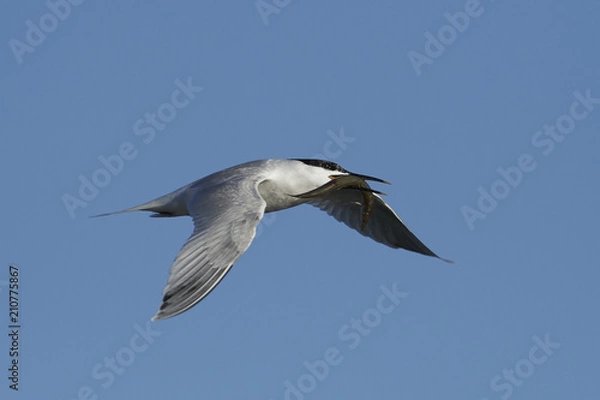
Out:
{"x": 341, "y": 181}
{"x": 363, "y": 177}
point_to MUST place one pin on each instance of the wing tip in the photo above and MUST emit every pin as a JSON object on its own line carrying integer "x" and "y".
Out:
{"x": 161, "y": 314}
{"x": 157, "y": 317}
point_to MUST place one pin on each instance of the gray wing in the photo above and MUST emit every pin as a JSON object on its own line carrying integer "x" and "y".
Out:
{"x": 225, "y": 220}
{"x": 383, "y": 226}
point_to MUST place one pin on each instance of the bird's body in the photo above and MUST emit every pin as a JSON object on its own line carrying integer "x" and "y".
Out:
{"x": 228, "y": 205}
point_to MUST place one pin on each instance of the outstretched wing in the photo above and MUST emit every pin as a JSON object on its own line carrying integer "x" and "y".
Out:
{"x": 383, "y": 225}
{"x": 225, "y": 220}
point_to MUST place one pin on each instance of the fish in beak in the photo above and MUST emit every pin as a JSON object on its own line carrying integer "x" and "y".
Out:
{"x": 349, "y": 181}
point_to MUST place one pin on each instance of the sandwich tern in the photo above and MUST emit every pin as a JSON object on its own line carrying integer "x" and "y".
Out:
{"x": 227, "y": 206}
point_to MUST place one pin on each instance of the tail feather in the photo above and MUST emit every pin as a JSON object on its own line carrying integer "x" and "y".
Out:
{"x": 169, "y": 205}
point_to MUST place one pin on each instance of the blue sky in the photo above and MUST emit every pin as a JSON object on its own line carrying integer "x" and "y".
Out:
{"x": 485, "y": 117}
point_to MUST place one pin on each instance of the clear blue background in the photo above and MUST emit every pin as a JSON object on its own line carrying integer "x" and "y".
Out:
{"x": 275, "y": 90}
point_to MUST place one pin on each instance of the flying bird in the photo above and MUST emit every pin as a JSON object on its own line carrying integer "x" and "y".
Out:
{"x": 227, "y": 206}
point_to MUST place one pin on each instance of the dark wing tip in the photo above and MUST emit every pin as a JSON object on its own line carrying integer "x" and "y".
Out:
{"x": 162, "y": 313}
